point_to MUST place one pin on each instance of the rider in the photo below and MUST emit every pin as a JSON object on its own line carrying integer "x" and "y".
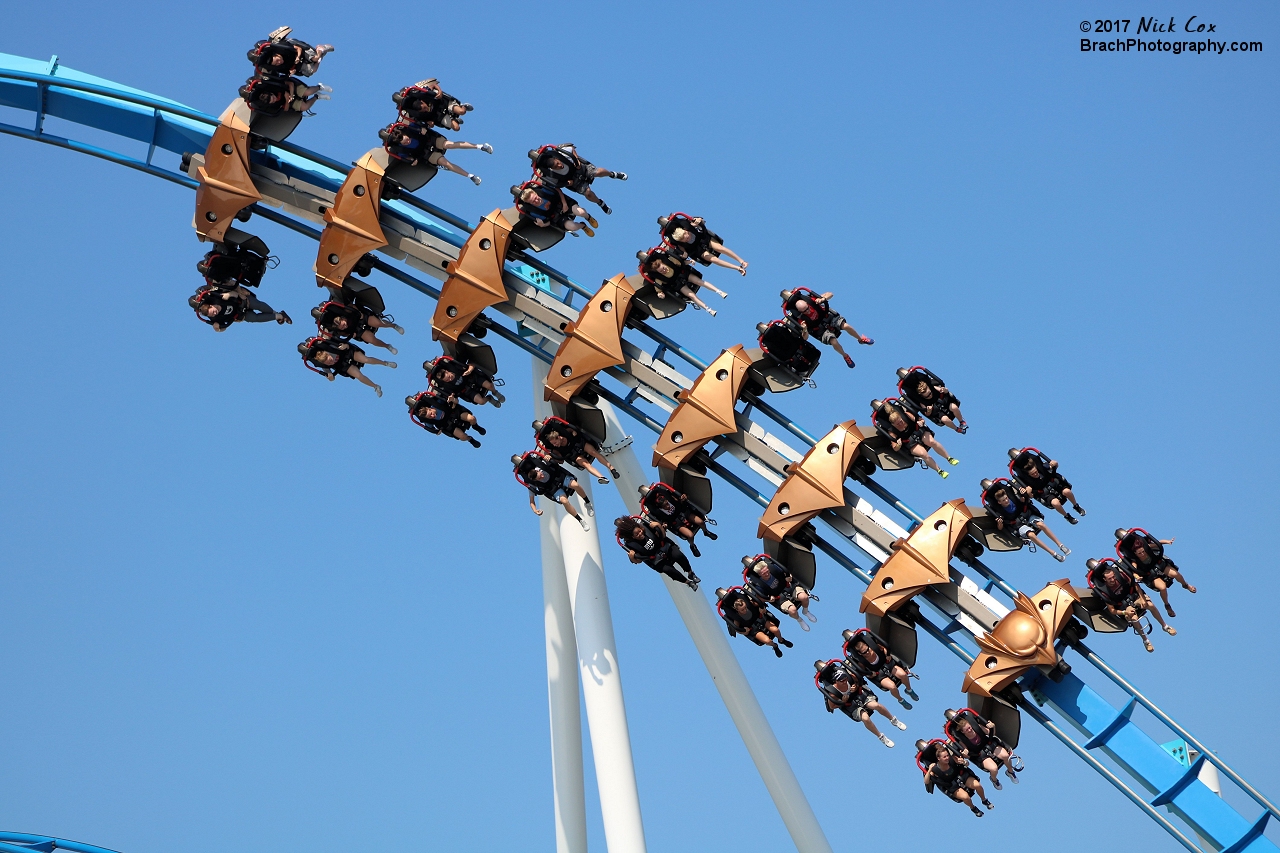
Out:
{"x": 344, "y": 322}
{"x": 273, "y": 96}
{"x": 812, "y": 313}
{"x": 674, "y": 512}
{"x": 1040, "y": 474}
{"x": 689, "y": 236}
{"x": 549, "y": 207}
{"x": 448, "y": 375}
{"x": 742, "y": 615}
{"x": 280, "y": 56}
{"x": 645, "y": 541}
{"x": 929, "y": 394}
{"x": 771, "y": 583}
{"x": 1145, "y": 554}
{"x": 871, "y": 658}
{"x": 441, "y": 414}
{"x": 1010, "y": 505}
{"x": 907, "y": 433}
{"x": 562, "y": 167}
{"x": 220, "y": 307}
{"x": 1118, "y": 590}
{"x": 943, "y": 767}
{"x": 544, "y": 477}
{"x": 331, "y": 358}
{"x": 415, "y": 144}
{"x": 669, "y": 273}
{"x": 845, "y": 689}
{"x": 566, "y": 443}
{"x": 427, "y": 104}
{"x": 975, "y": 737}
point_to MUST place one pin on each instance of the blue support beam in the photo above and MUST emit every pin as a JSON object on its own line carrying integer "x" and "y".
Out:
{"x": 1111, "y": 731}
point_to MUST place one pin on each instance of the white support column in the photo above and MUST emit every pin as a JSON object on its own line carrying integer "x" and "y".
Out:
{"x": 709, "y": 636}
{"x": 568, "y": 787}
{"x": 583, "y": 575}
{"x": 602, "y": 685}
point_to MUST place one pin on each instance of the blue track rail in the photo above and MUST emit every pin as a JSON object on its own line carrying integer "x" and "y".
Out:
{"x": 47, "y": 90}
{"x": 21, "y": 842}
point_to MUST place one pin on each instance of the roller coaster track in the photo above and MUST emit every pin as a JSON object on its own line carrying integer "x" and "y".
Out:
{"x": 297, "y": 185}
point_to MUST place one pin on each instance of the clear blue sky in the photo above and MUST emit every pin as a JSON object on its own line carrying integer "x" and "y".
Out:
{"x": 248, "y": 609}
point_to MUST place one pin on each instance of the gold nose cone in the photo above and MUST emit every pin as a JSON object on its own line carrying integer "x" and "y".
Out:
{"x": 1021, "y": 633}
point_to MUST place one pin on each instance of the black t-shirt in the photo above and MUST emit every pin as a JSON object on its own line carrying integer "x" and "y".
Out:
{"x": 742, "y": 622}
{"x": 1125, "y": 588}
{"x": 702, "y": 237}
{"x": 949, "y": 778}
{"x": 881, "y": 419}
{"x": 423, "y": 104}
{"x": 649, "y": 548}
{"x": 454, "y": 366}
{"x": 573, "y": 175}
{"x": 354, "y": 316}
{"x": 827, "y": 683}
{"x": 680, "y": 270}
{"x": 285, "y": 50}
{"x": 575, "y": 445}
{"x": 230, "y": 305}
{"x": 1155, "y": 552}
{"x": 344, "y": 351}
{"x": 1032, "y": 469}
{"x": 555, "y": 482}
{"x": 663, "y": 506}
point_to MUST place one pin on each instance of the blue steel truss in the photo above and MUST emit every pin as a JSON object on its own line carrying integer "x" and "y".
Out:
{"x": 46, "y": 89}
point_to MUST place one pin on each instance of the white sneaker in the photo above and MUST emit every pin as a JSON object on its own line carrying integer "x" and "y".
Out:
{"x": 901, "y": 726}
{"x": 884, "y": 739}
{"x": 486, "y": 148}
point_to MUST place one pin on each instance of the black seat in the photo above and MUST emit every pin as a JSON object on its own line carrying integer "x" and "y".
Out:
{"x": 528, "y": 235}
{"x": 796, "y": 557}
{"x": 690, "y": 479}
{"x": 783, "y": 342}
